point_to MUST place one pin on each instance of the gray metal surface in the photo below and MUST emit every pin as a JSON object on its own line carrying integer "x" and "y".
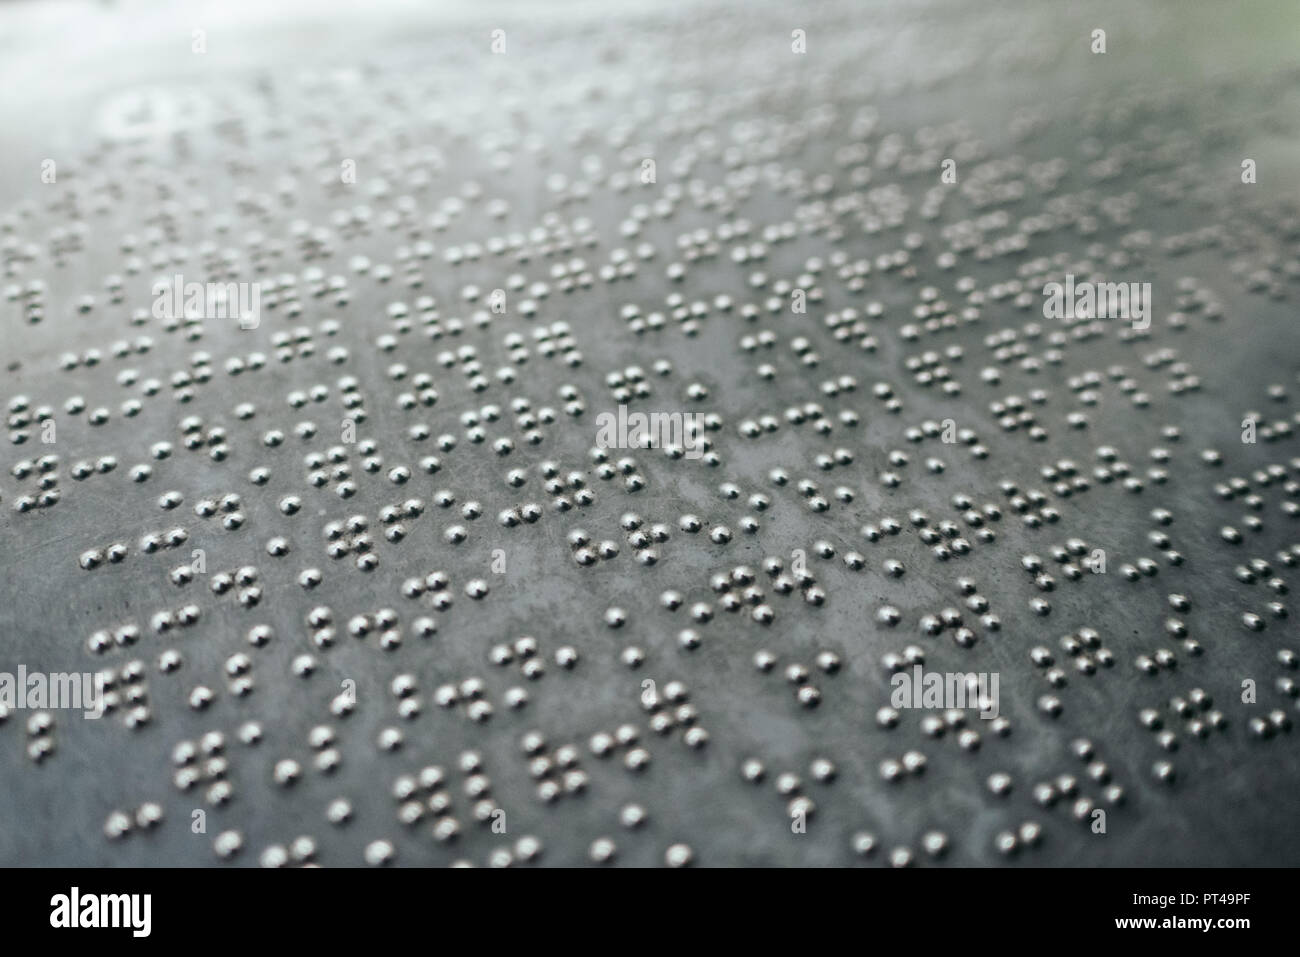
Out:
{"x": 776, "y": 172}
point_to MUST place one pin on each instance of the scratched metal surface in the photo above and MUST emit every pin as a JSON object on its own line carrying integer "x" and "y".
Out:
{"x": 775, "y": 171}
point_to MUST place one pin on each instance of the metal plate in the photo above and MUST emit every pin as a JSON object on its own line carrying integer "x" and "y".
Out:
{"x": 454, "y": 238}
